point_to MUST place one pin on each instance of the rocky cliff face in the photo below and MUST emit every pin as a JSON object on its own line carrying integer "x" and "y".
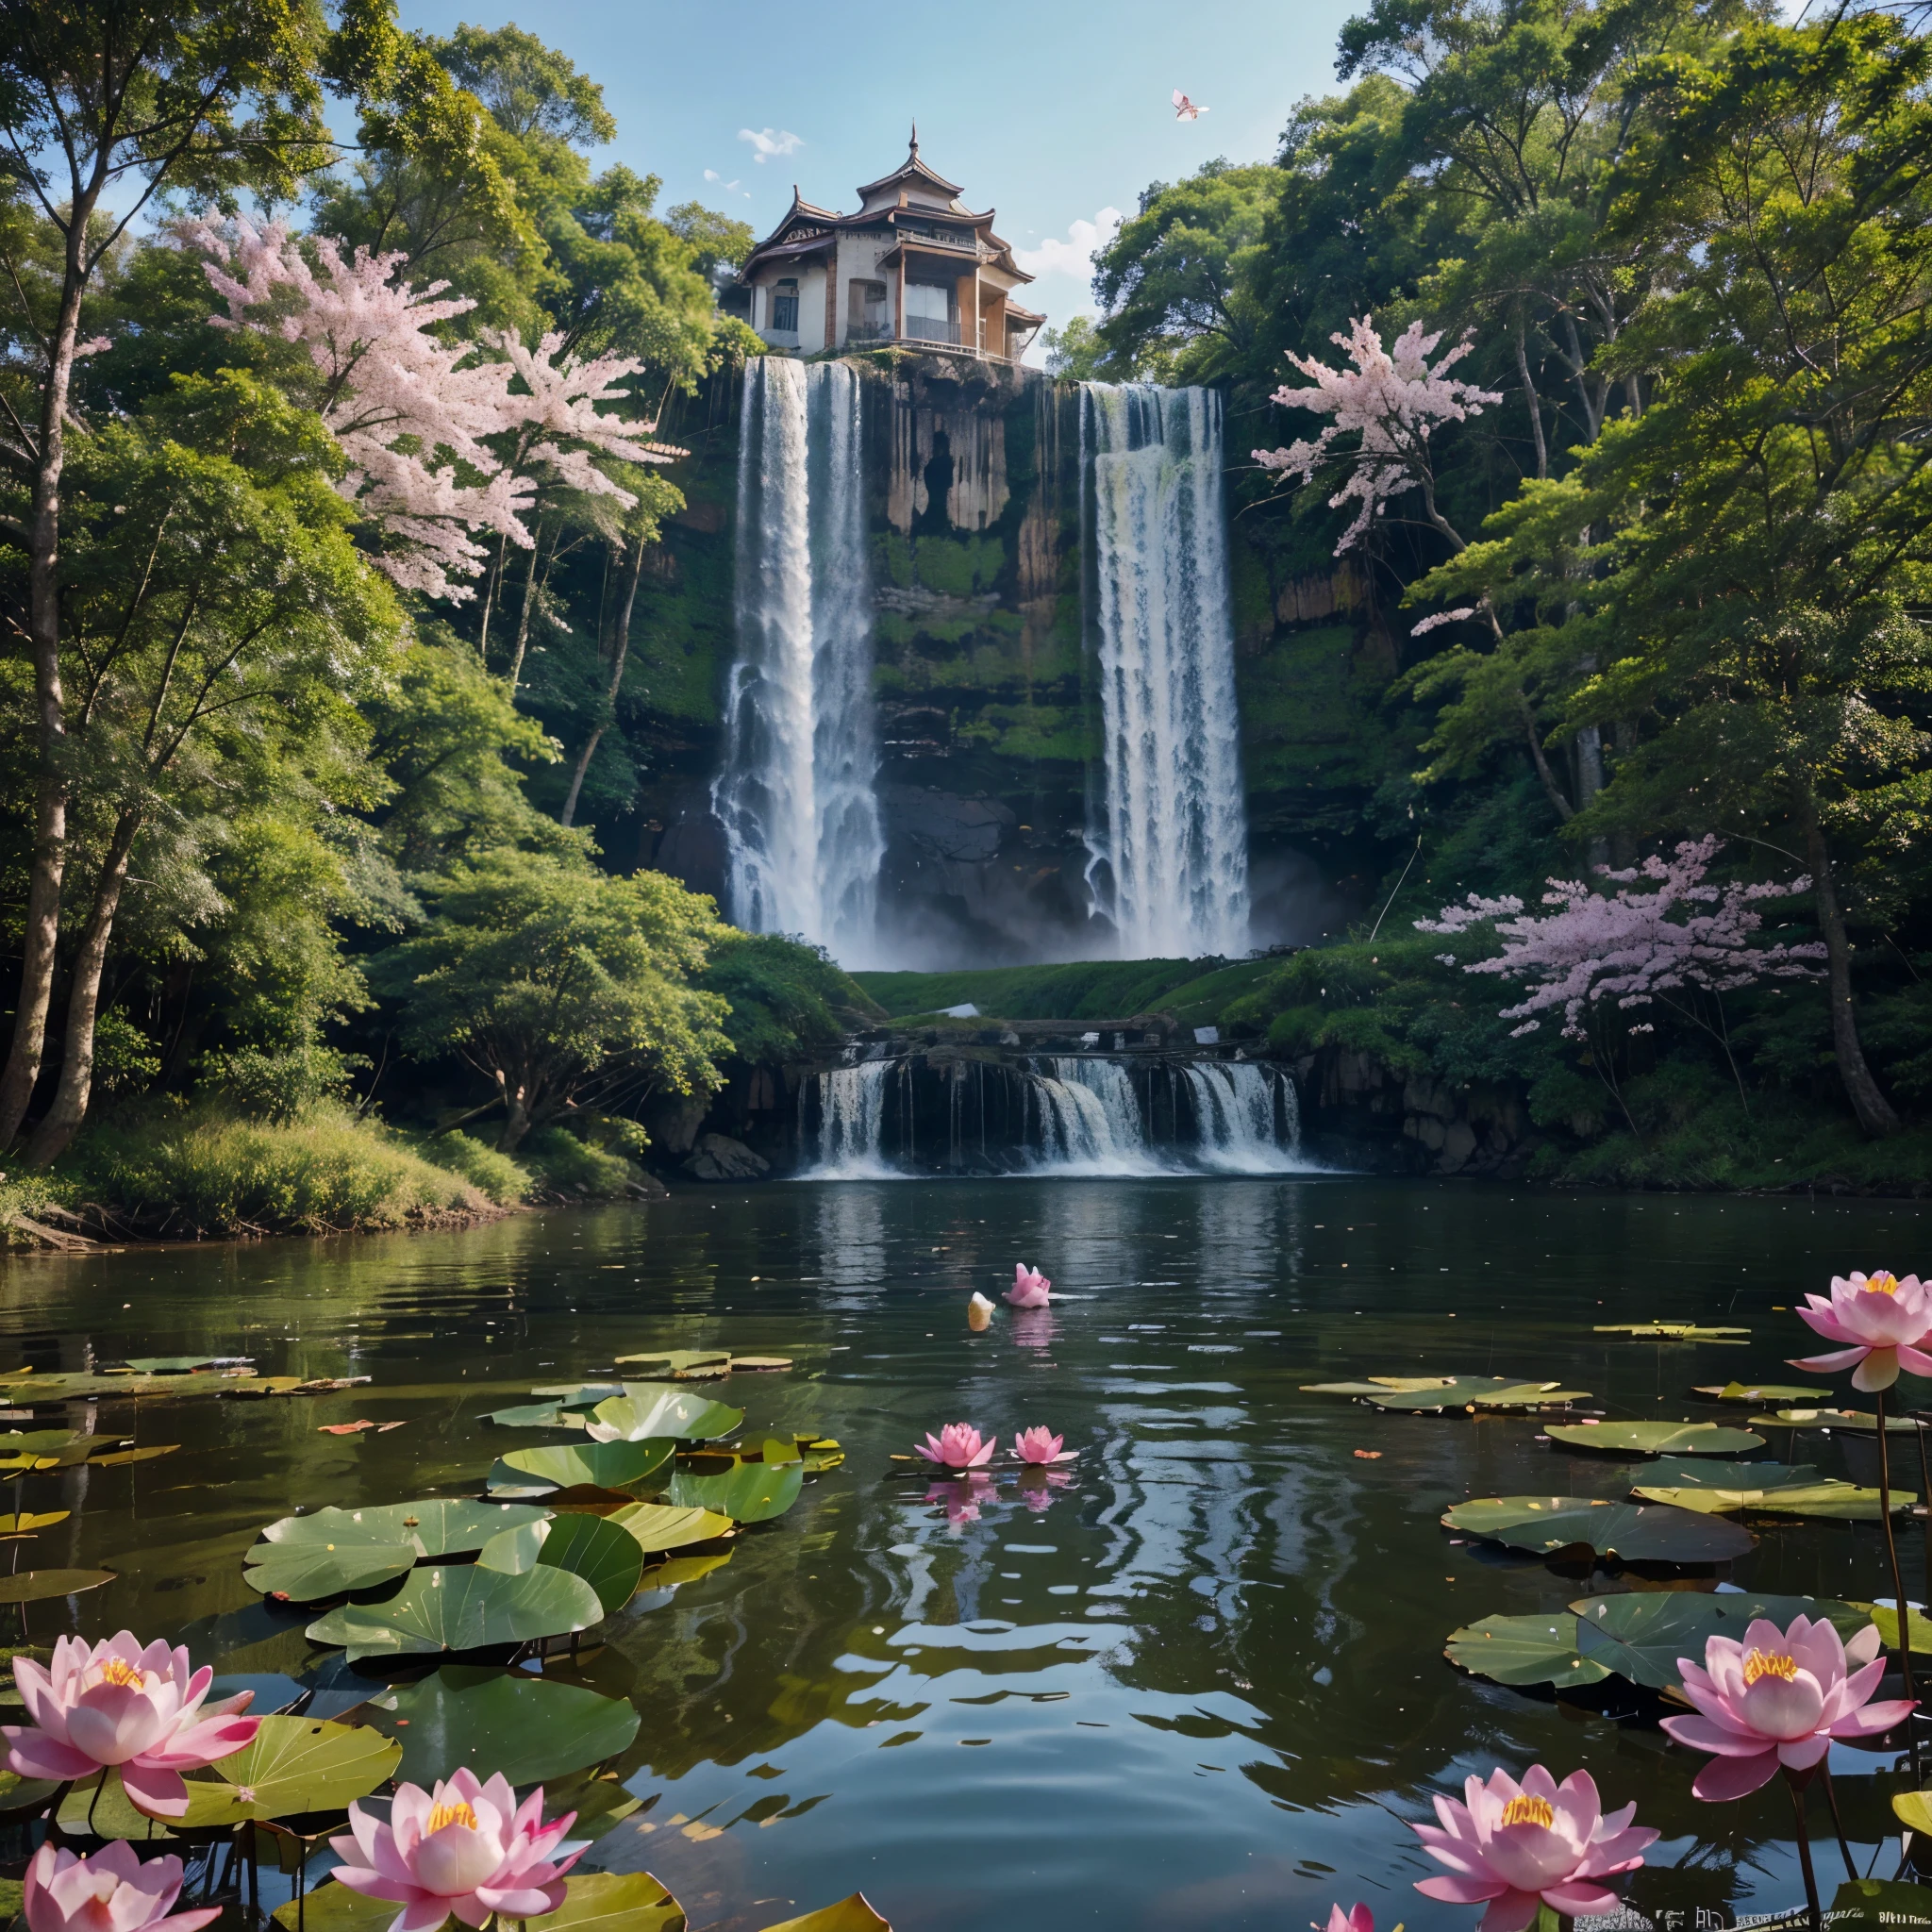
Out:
{"x": 988, "y": 709}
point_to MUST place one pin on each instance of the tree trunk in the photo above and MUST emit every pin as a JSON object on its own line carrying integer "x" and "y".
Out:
{"x": 23, "y": 1070}
{"x": 1874, "y": 1113}
{"x": 590, "y": 750}
{"x": 522, "y": 645}
{"x": 83, "y": 1001}
{"x": 1565, "y": 810}
{"x": 1535, "y": 402}
{"x": 516, "y": 1119}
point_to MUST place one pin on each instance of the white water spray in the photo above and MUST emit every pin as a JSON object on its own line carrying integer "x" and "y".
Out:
{"x": 1169, "y": 830}
{"x": 1235, "y": 1103}
{"x": 852, "y": 1115}
{"x": 796, "y": 796}
{"x": 1090, "y": 1120}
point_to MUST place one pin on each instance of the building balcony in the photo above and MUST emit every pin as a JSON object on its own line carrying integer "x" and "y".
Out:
{"x": 862, "y": 332}
{"x": 927, "y": 328}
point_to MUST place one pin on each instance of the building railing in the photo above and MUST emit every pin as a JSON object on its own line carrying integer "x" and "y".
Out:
{"x": 927, "y": 328}
{"x": 869, "y": 332}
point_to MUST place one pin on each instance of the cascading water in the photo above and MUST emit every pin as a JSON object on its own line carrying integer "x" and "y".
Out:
{"x": 1235, "y": 1109}
{"x": 1168, "y": 830}
{"x": 796, "y": 796}
{"x": 1089, "y": 1120}
{"x": 852, "y": 1117}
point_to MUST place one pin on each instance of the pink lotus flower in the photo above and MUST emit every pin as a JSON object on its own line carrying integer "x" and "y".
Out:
{"x": 1779, "y": 1698}
{"x": 957, "y": 1446}
{"x": 1040, "y": 1445}
{"x": 1361, "y": 1920}
{"x": 1883, "y": 1318}
{"x": 112, "y": 1891}
{"x": 1517, "y": 1846}
{"x": 465, "y": 1848}
{"x": 1029, "y": 1289}
{"x": 136, "y": 1709}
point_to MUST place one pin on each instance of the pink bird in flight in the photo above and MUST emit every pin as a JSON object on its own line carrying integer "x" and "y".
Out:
{"x": 1184, "y": 109}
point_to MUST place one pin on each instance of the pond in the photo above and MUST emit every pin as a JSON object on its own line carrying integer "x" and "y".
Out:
{"x": 1200, "y": 1684}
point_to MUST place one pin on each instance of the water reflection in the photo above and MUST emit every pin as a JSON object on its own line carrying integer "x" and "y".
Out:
{"x": 1194, "y": 1679}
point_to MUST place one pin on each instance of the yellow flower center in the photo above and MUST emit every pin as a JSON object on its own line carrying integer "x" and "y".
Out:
{"x": 1765, "y": 1663}
{"x": 1881, "y": 1283}
{"x": 450, "y": 1814}
{"x": 118, "y": 1671}
{"x": 1523, "y": 1810}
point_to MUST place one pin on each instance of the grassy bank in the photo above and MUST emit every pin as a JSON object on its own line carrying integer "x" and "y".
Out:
{"x": 204, "y": 1171}
{"x": 1194, "y": 990}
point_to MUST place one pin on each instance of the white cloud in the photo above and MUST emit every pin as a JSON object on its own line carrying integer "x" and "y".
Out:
{"x": 1074, "y": 256}
{"x": 767, "y": 141}
{"x": 729, "y": 187}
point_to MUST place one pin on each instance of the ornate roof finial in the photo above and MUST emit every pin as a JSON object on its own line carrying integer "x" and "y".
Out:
{"x": 915, "y": 138}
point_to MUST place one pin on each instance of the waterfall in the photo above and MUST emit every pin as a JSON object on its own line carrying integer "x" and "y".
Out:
{"x": 852, "y": 1118}
{"x": 797, "y": 793}
{"x": 1235, "y": 1111}
{"x": 1089, "y": 1120}
{"x": 1168, "y": 830}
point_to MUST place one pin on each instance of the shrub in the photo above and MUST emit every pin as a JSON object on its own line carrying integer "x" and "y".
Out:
{"x": 503, "y": 1179}
{"x": 566, "y": 1165}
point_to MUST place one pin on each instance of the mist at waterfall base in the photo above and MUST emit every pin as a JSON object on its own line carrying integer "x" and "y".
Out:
{"x": 1075, "y": 1116}
{"x": 1166, "y": 866}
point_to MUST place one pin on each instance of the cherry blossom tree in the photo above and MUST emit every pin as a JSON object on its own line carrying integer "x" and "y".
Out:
{"x": 1390, "y": 401}
{"x": 1632, "y": 949}
{"x": 445, "y": 439}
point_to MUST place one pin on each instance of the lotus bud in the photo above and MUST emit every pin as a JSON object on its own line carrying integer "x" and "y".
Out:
{"x": 978, "y": 1314}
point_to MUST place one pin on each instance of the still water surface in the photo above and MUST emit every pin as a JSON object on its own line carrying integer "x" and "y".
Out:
{"x": 1199, "y": 1684}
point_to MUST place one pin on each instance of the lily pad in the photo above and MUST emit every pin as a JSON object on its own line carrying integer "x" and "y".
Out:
{"x": 533, "y": 1415}
{"x": 562, "y": 1465}
{"x": 182, "y": 1364}
{"x": 682, "y": 1570}
{"x": 1762, "y": 1393}
{"x": 306, "y": 1559}
{"x": 1914, "y": 1810}
{"x": 655, "y": 1408}
{"x": 1886, "y": 1620}
{"x": 27, "y": 1522}
{"x": 853, "y": 1914}
{"x": 99, "y": 1806}
{"x": 1478, "y": 1392}
{"x": 529, "y": 1729}
{"x": 614, "y": 1902}
{"x": 37, "y": 1585}
{"x": 462, "y": 1608}
{"x": 119, "y": 1456}
{"x": 294, "y": 1764}
{"x": 749, "y": 1494}
{"x": 1879, "y": 1904}
{"x": 1854, "y": 1420}
{"x": 1671, "y": 1331}
{"x": 1835, "y": 1501}
{"x": 658, "y": 1526}
{"x": 1637, "y": 1533}
{"x": 684, "y": 1364}
{"x": 1539, "y": 1649}
{"x": 1710, "y": 1472}
{"x": 1378, "y": 1385}
{"x": 759, "y": 1364}
{"x": 605, "y": 1555}
{"x": 1641, "y": 1636}
{"x": 1656, "y": 1438}
{"x": 333, "y": 1908}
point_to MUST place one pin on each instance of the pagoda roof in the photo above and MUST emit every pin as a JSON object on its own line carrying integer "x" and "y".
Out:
{"x": 912, "y": 167}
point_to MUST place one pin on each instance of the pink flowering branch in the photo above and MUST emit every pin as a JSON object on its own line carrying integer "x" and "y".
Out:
{"x": 445, "y": 439}
{"x": 1630, "y": 948}
{"x": 1390, "y": 401}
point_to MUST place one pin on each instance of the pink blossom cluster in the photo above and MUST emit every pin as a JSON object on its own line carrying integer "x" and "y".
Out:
{"x": 1393, "y": 399}
{"x": 1629, "y": 947}
{"x": 445, "y": 439}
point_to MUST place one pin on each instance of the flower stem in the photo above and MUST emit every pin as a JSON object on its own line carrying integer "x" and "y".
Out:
{"x": 1898, "y": 1582}
{"x": 1797, "y": 1792}
{"x": 1838, "y": 1823}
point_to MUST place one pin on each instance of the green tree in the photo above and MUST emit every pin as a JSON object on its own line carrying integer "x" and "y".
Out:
{"x": 564, "y": 988}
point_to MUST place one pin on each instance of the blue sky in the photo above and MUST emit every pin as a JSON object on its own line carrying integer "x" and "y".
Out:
{"x": 1051, "y": 111}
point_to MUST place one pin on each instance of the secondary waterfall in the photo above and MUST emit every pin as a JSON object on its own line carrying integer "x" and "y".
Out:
{"x": 796, "y": 796}
{"x": 1168, "y": 830}
{"x": 1073, "y": 1114}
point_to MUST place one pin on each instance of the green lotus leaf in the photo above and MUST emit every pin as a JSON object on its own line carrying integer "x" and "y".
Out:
{"x": 853, "y": 1914}
{"x": 37, "y": 1585}
{"x": 684, "y": 1364}
{"x": 1539, "y": 1649}
{"x": 533, "y": 1415}
{"x": 1671, "y": 1331}
{"x": 1886, "y": 1620}
{"x": 606, "y": 1556}
{"x": 1762, "y": 1393}
{"x": 433, "y": 1526}
{"x": 462, "y": 1608}
{"x": 1638, "y": 1534}
{"x": 598, "y": 1797}
{"x": 614, "y": 1902}
{"x": 819, "y": 1453}
{"x": 1656, "y": 1438}
{"x": 19, "y": 1793}
{"x": 659, "y": 1408}
{"x": 306, "y": 1573}
{"x": 514, "y": 1551}
{"x": 682, "y": 1570}
{"x": 1378, "y": 1385}
{"x": 1879, "y": 1904}
{"x": 1478, "y": 1392}
{"x": 564, "y": 1465}
{"x": 580, "y": 1394}
{"x": 120, "y": 1456}
{"x": 294, "y": 1764}
{"x": 1853, "y": 1421}
{"x": 1710, "y": 1472}
{"x": 99, "y": 1806}
{"x": 1642, "y": 1635}
{"x": 28, "y": 1521}
{"x": 182, "y": 1364}
{"x": 774, "y": 1451}
{"x": 1830, "y": 1499}
{"x": 332, "y": 1907}
{"x": 658, "y": 1526}
{"x": 1914, "y": 1809}
{"x": 749, "y": 1494}
{"x": 529, "y": 1729}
